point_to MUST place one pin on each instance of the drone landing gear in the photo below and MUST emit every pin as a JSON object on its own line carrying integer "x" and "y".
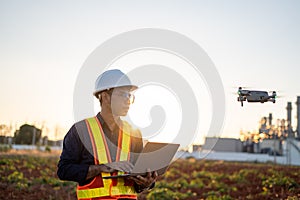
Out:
{"x": 241, "y": 99}
{"x": 262, "y": 99}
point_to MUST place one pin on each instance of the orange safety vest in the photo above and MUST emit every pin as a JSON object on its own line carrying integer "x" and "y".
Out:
{"x": 100, "y": 188}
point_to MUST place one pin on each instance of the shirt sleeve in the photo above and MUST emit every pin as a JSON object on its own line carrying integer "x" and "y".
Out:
{"x": 70, "y": 167}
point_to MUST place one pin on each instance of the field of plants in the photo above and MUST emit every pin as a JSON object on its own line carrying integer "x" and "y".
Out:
{"x": 34, "y": 177}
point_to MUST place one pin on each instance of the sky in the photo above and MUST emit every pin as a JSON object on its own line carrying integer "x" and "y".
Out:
{"x": 44, "y": 45}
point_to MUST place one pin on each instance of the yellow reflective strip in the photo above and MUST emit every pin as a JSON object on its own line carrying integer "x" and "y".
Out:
{"x": 102, "y": 155}
{"x": 106, "y": 182}
{"x": 99, "y": 142}
{"x": 123, "y": 190}
{"x": 125, "y": 149}
{"x": 101, "y": 192}
{"x": 92, "y": 193}
{"x": 120, "y": 189}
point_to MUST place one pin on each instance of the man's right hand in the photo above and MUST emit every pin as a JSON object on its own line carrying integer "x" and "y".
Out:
{"x": 123, "y": 166}
{"x": 95, "y": 170}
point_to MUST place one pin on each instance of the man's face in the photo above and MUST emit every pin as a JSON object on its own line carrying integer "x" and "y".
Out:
{"x": 121, "y": 99}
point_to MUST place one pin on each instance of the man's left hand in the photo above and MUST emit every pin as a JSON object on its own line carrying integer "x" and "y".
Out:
{"x": 145, "y": 181}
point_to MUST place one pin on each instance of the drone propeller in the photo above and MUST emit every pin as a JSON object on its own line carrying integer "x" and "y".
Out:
{"x": 243, "y": 87}
{"x": 279, "y": 91}
{"x": 279, "y": 96}
{"x": 276, "y": 93}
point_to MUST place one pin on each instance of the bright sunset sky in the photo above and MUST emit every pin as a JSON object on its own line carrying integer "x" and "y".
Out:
{"x": 43, "y": 45}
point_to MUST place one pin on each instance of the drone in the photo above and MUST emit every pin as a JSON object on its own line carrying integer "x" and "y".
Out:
{"x": 255, "y": 96}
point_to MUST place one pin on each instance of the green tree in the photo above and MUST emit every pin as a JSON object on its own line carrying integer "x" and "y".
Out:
{"x": 28, "y": 134}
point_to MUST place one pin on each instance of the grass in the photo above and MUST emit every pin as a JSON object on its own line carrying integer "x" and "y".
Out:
{"x": 33, "y": 176}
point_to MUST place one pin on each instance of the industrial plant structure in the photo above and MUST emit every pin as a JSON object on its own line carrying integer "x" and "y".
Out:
{"x": 278, "y": 139}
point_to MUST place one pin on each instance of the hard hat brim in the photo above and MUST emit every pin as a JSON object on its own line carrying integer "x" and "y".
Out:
{"x": 132, "y": 88}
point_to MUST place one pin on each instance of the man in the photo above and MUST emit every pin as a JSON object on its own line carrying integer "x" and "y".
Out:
{"x": 105, "y": 145}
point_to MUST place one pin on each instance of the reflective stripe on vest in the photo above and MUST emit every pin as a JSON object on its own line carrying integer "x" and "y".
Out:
{"x": 102, "y": 155}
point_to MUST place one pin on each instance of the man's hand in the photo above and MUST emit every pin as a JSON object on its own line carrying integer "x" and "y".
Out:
{"x": 123, "y": 166}
{"x": 95, "y": 170}
{"x": 145, "y": 181}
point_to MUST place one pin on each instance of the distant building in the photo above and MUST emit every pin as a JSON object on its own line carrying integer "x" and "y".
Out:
{"x": 6, "y": 140}
{"x": 222, "y": 144}
{"x": 271, "y": 145}
{"x": 197, "y": 147}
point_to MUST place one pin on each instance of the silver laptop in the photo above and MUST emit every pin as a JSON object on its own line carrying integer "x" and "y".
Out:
{"x": 154, "y": 156}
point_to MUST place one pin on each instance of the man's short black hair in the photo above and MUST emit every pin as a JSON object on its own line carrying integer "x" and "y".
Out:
{"x": 110, "y": 91}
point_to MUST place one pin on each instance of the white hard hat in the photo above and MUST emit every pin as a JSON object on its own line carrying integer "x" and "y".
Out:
{"x": 111, "y": 79}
